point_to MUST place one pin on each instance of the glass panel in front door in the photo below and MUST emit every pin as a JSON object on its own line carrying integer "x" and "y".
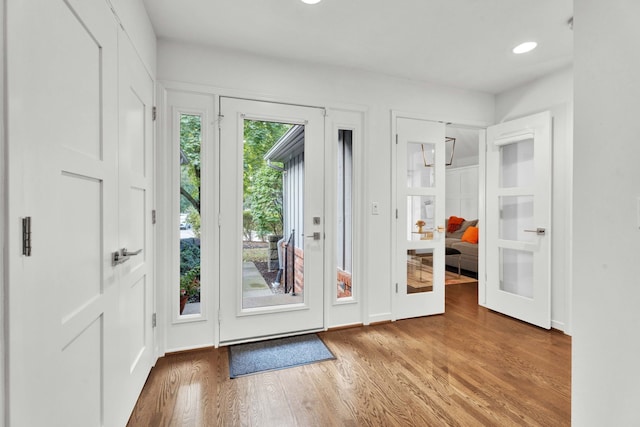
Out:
{"x": 190, "y": 148}
{"x": 272, "y": 217}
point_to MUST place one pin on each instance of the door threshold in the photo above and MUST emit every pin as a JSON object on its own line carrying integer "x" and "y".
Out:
{"x": 269, "y": 337}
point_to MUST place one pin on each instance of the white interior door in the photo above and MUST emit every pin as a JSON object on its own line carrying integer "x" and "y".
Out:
{"x": 518, "y": 203}
{"x": 249, "y": 307}
{"x": 135, "y": 228}
{"x": 78, "y": 325}
{"x": 62, "y": 60}
{"x": 420, "y": 205}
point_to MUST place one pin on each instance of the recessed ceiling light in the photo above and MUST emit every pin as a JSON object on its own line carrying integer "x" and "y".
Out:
{"x": 525, "y": 47}
{"x": 311, "y": 1}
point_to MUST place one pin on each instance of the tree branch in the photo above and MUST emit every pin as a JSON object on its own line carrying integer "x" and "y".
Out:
{"x": 189, "y": 197}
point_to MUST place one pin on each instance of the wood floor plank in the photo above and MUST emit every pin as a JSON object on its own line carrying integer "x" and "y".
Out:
{"x": 468, "y": 367}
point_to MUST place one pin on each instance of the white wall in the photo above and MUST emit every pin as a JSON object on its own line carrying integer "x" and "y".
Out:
{"x": 554, "y": 93}
{"x": 606, "y": 188}
{"x": 462, "y": 192}
{"x": 253, "y": 76}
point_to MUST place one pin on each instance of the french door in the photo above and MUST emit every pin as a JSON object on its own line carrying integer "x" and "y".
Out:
{"x": 420, "y": 203}
{"x": 80, "y": 174}
{"x": 271, "y": 219}
{"x": 518, "y": 203}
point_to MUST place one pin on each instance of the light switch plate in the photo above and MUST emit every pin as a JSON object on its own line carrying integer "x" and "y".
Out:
{"x": 375, "y": 208}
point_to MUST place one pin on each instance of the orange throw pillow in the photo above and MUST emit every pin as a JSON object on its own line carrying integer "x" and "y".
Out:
{"x": 454, "y": 223}
{"x": 470, "y": 235}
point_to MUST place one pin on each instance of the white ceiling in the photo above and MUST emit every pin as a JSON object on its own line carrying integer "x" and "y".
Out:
{"x": 461, "y": 43}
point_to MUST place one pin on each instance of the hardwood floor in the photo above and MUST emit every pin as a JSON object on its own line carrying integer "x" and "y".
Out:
{"x": 468, "y": 367}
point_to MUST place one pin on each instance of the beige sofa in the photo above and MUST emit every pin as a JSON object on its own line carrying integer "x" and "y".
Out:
{"x": 468, "y": 251}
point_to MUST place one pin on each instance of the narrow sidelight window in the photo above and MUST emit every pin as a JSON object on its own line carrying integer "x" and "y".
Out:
{"x": 344, "y": 213}
{"x": 190, "y": 147}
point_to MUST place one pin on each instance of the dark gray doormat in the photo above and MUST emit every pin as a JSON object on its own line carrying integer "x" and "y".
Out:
{"x": 281, "y": 353}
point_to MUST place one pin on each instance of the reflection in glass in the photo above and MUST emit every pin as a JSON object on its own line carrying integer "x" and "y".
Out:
{"x": 190, "y": 146}
{"x": 516, "y": 164}
{"x": 418, "y": 156}
{"x": 420, "y": 217}
{"x": 273, "y": 200}
{"x": 516, "y": 272}
{"x": 516, "y": 216}
{"x": 344, "y": 213}
{"x": 419, "y": 270}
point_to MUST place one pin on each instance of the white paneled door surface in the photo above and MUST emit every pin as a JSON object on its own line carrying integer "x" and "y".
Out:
{"x": 80, "y": 337}
{"x": 518, "y": 217}
{"x": 271, "y": 170}
{"x": 420, "y": 205}
{"x": 135, "y": 227}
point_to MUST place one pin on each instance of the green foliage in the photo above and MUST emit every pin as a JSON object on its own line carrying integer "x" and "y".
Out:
{"x": 193, "y": 218}
{"x": 247, "y": 224}
{"x": 259, "y": 137}
{"x": 190, "y": 284}
{"x": 266, "y": 201}
{"x": 255, "y": 255}
{"x": 190, "y": 144}
{"x": 262, "y": 185}
{"x": 190, "y": 268}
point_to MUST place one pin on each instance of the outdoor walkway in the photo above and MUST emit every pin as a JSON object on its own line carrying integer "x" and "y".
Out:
{"x": 256, "y": 292}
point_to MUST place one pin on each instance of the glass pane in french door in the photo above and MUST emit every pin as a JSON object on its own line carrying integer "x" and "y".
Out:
{"x": 516, "y": 217}
{"x": 421, "y": 171}
{"x": 272, "y": 217}
{"x": 419, "y": 270}
{"x": 516, "y": 164}
{"x": 516, "y": 272}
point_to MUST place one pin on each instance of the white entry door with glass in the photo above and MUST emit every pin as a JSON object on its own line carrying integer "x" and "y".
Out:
{"x": 271, "y": 219}
{"x": 518, "y": 203}
{"x": 420, "y": 203}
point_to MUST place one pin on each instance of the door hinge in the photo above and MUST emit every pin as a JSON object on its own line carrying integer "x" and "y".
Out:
{"x": 154, "y": 113}
{"x": 396, "y": 288}
{"x": 396, "y": 213}
{"x": 396, "y": 139}
{"x": 26, "y": 236}
{"x": 153, "y": 216}
{"x": 154, "y": 320}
